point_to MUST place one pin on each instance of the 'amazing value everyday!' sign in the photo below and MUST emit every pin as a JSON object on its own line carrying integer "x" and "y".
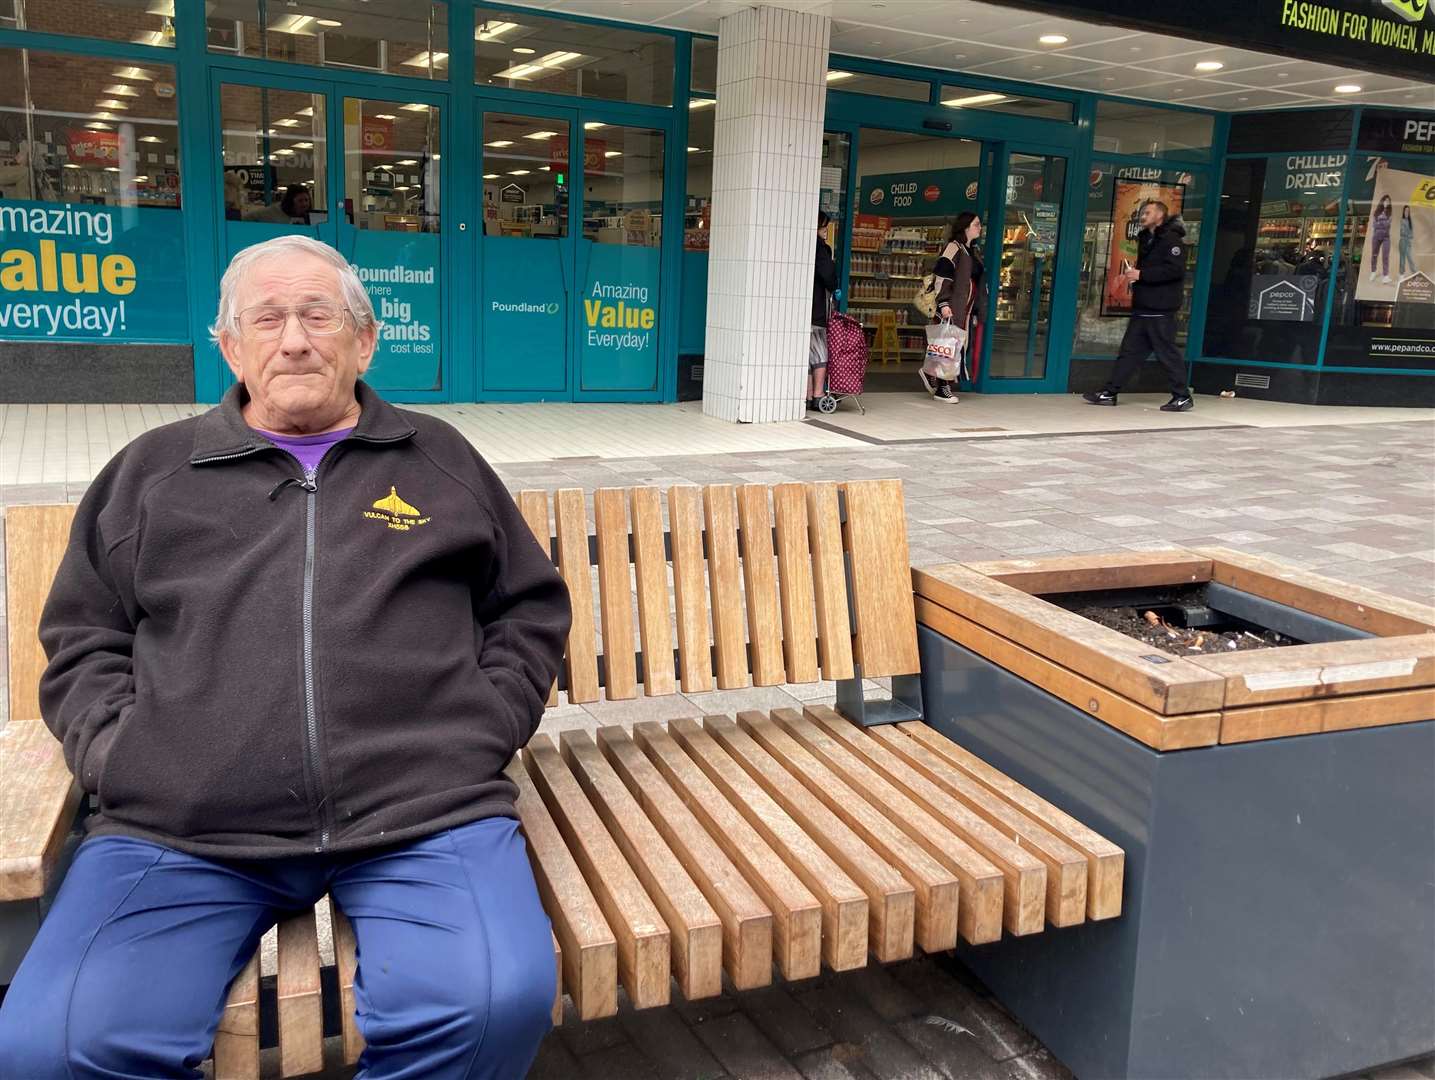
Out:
{"x": 91, "y": 273}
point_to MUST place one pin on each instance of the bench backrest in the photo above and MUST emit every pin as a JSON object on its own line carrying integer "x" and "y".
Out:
{"x": 697, "y": 588}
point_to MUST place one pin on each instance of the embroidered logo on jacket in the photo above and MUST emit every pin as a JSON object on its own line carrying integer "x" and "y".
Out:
{"x": 395, "y": 513}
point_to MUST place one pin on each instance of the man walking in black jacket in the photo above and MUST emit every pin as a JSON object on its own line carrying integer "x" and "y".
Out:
{"x": 1155, "y": 282}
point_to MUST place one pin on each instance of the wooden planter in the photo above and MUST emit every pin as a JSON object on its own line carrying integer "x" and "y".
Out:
{"x": 1276, "y": 807}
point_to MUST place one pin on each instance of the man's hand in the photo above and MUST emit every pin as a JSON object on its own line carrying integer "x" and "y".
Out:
{"x": 1131, "y": 275}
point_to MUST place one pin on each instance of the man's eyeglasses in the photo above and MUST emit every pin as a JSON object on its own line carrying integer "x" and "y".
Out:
{"x": 320, "y": 318}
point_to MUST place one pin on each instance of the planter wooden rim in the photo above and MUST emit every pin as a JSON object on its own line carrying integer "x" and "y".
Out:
{"x": 1171, "y": 702}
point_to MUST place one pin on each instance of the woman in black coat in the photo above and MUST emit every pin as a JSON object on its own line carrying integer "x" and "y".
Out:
{"x": 962, "y": 297}
{"x": 824, "y": 284}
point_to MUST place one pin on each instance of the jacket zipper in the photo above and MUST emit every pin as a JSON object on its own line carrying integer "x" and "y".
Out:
{"x": 311, "y": 715}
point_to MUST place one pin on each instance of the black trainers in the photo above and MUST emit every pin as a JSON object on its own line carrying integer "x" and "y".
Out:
{"x": 1179, "y": 403}
{"x": 944, "y": 392}
{"x": 1099, "y": 397}
{"x": 926, "y": 381}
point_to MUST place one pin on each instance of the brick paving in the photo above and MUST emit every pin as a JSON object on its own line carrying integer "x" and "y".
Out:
{"x": 1356, "y": 503}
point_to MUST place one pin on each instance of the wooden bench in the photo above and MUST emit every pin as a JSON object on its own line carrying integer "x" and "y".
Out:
{"x": 699, "y": 849}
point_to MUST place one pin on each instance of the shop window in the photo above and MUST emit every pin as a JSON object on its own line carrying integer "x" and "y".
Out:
{"x": 138, "y": 24}
{"x": 968, "y": 97}
{"x": 1384, "y": 308}
{"x": 523, "y": 51}
{"x": 1114, "y": 196}
{"x": 93, "y": 249}
{"x": 697, "y": 221}
{"x": 394, "y": 37}
{"x": 704, "y": 69}
{"x": 1271, "y": 268}
{"x": 1125, "y": 127}
{"x": 274, "y": 155}
{"x": 860, "y": 82}
{"x": 1294, "y": 130}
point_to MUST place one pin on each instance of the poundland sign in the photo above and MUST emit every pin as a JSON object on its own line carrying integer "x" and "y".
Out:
{"x": 1392, "y": 36}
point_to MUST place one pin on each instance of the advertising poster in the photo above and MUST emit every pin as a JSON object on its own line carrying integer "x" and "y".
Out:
{"x": 1127, "y": 198}
{"x": 400, "y": 272}
{"x": 1397, "y": 259}
{"x": 83, "y": 272}
{"x": 619, "y": 345}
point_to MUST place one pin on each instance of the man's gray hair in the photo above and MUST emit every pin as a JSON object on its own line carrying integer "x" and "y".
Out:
{"x": 355, "y": 296}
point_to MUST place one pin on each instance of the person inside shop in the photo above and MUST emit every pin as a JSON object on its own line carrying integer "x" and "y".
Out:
{"x": 962, "y": 296}
{"x": 310, "y": 684}
{"x": 1156, "y": 283}
{"x": 824, "y": 284}
{"x": 297, "y": 204}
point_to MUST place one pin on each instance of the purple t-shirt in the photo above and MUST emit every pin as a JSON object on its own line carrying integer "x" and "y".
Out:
{"x": 309, "y": 449}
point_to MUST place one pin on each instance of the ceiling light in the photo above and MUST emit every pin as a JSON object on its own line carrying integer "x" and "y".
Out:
{"x": 553, "y": 59}
{"x": 499, "y": 143}
{"x": 288, "y": 121}
{"x": 330, "y": 23}
{"x": 519, "y": 71}
{"x": 694, "y": 149}
{"x": 1053, "y": 39}
{"x": 1347, "y": 88}
{"x": 110, "y": 103}
{"x": 414, "y": 107}
{"x": 112, "y": 168}
{"x": 545, "y": 168}
{"x": 1210, "y": 65}
{"x": 71, "y": 165}
{"x": 104, "y": 116}
{"x": 310, "y": 112}
{"x": 408, "y": 161}
{"x": 303, "y": 146}
{"x": 426, "y": 59}
{"x": 517, "y": 172}
{"x": 293, "y": 24}
{"x": 285, "y": 150}
{"x": 490, "y": 176}
{"x": 612, "y": 153}
{"x": 489, "y": 31}
{"x": 134, "y": 74}
{"x": 150, "y": 138}
{"x": 523, "y": 50}
{"x": 402, "y": 187}
{"x": 162, "y": 8}
{"x": 138, "y": 179}
{"x": 594, "y": 125}
{"x": 701, "y": 103}
{"x": 974, "y": 99}
{"x": 436, "y": 157}
{"x": 834, "y": 76}
{"x": 540, "y": 134}
{"x": 121, "y": 90}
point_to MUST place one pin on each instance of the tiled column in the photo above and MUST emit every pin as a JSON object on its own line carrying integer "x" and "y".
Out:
{"x": 767, "y": 153}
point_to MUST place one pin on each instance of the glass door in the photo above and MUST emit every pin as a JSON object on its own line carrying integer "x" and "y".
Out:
{"x": 619, "y": 258}
{"x": 390, "y": 232}
{"x": 362, "y": 174}
{"x": 527, "y": 252}
{"x": 1030, "y": 229}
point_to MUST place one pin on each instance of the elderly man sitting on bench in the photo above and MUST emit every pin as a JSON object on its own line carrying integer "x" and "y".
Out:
{"x": 292, "y": 645}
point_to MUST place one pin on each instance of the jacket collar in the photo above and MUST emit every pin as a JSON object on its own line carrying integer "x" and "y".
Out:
{"x": 222, "y": 432}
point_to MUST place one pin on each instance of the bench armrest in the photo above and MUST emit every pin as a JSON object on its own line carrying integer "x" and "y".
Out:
{"x": 38, "y": 799}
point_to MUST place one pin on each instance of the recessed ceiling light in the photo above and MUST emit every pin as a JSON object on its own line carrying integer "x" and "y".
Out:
{"x": 1348, "y": 88}
{"x": 1210, "y": 65}
{"x": 523, "y": 50}
{"x": 150, "y": 138}
{"x": 545, "y": 168}
{"x": 406, "y": 161}
{"x": 701, "y": 103}
{"x": 303, "y": 146}
{"x": 1109, "y": 78}
{"x": 286, "y": 122}
{"x": 1053, "y": 39}
{"x": 540, "y": 134}
{"x": 499, "y": 143}
{"x": 490, "y": 176}
{"x": 517, "y": 172}
{"x": 121, "y": 90}
{"x": 112, "y": 168}
{"x": 426, "y": 59}
{"x": 111, "y": 103}
{"x": 134, "y": 74}
{"x": 414, "y": 107}
{"x": 71, "y": 165}
{"x": 489, "y": 31}
{"x": 612, "y": 153}
{"x": 331, "y": 23}
{"x": 693, "y": 149}
{"x": 384, "y": 116}
{"x": 833, "y": 76}
{"x": 973, "y": 99}
{"x": 594, "y": 125}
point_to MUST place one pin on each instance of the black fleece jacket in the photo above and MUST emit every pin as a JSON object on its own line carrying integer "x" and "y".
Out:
{"x": 1161, "y": 258}
{"x": 244, "y": 663}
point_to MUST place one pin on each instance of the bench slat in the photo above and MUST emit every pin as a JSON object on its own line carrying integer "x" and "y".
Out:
{"x": 829, "y": 581}
{"x": 1024, "y": 875}
{"x": 236, "y": 1040}
{"x": 690, "y": 591}
{"x": 615, "y": 593}
{"x": 301, "y": 1008}
{"x": 797, "y": 915}
{"x": 979, "y": 913}
{"x": 35, "y": 542}
{"x": 581, "y": 657}
{"x": 759, "y": 571}
{"x": 346, "y": 962}
{"x": 696, "y": 933}
{"x": 725, "y": 588}
{"x": 844, "y": 904}
{"x": 650, "y": 571}
{"x": 1065, "y": 866}
{"x": 533, "y": 505}
{"x": 937, "y": 888}
{"x": 876, "y": 536}
{"x": 590, "y": 952}
{"x": 891, "y": 900}
{"x": 746, "y": 921}
{"x": 1106, "y": 863}
{"x": 38, "y": 798}
{"x": 794, "y": 572}
{"x": 644, "y": 954}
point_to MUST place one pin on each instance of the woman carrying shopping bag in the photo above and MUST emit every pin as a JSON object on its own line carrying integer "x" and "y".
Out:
{"x": 960, "y": 303}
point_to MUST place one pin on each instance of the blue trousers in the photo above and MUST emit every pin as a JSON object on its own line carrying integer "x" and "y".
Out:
{"x": 130, "y": 970}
